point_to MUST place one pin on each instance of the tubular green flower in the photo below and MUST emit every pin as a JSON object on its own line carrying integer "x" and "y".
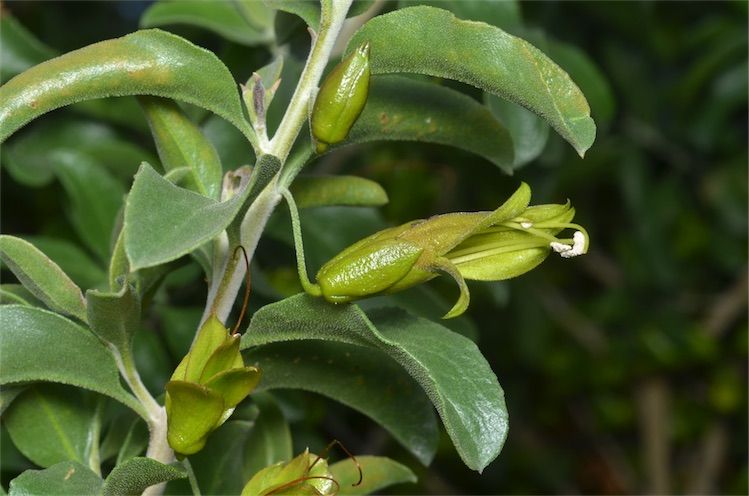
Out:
{"x": 485, "y": 246}
{"x": 206, "y": 386}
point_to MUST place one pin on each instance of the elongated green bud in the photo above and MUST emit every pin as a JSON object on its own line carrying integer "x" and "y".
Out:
{"x": 341, "y": 99}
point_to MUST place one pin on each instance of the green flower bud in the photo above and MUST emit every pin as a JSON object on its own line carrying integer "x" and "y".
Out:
{"x": 341, "y": 99}
{"x": 207, "y": 385}
{"x": 305, "y": 474}
{"x": 486, "y": 246}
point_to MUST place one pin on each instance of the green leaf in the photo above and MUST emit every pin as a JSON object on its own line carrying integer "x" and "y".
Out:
{"x": 378, "y": 472}
{"x": 362, "y": 378}
{"x": 308, "y": 11}
{"x": 150, "y": 62}
{"x": 588, "y": 77}
{"x": 181, "y": 323}
{"x": 256, "y": 13}
{"x": 65, "y": 478}
{"x": 434, "y": 42}
{"x": 95, "y": 198}
{"x": 114, "y": 317}
{"x": 19, "y": 48}
{"x": 399, "y": 108}
{"x": 223, "y": 18}
{"x": 74, "y": 356}
{"x": 7, "y": 395}
{"x": 320, "y": 242}
{"x": 183, "y": 220}
{"x": 42, "y": 277}
{"x": 456, "y": 377}
{"x": 135, "y": 443}
{"x": 425, "y": 301}
{"x": 71, "y": 259}
{"x": 11, "y": 294}
{"x": 269, "y": 440}
{"x": 528, "y": 131}
{"x": 504, "y": 14}
{"x": 218, "y": 466}
{"x": 137, "y": 474}
{"x": 122, "y": 111}
{"x": 50, "y": 423}
{"x": 229, "y": 143}
{"x": 321, "y": 191}
{"x": 449, "y": 367}
{"x": 152, "y": 360}
{"x": 146, "y": 281}
{"x": 359, "y": 7}
{"x": 32, "y": 157}
{"x": 181, "y": 144}
{"x": 126, "y": 436}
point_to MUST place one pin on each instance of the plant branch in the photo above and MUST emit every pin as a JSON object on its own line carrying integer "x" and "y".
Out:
{"x": 158, "y": 447}
{"x": 223, "y": 293}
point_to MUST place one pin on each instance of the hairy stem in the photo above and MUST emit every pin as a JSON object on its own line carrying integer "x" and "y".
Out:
{"x": 223, "y": 293}
{"x": 158, "y": 447}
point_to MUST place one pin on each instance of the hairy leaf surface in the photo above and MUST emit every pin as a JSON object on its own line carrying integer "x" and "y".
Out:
{"x": 434, "y": 42}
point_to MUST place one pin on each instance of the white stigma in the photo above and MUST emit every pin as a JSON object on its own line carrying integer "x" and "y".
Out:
{"x": 560, "y": 247}
{"x": 567, "y": 251}
{"x": 526, "y": 225}
{"x": 578, "y": 247}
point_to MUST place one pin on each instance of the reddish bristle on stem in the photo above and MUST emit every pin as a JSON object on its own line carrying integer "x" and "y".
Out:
{"x": 353, "y": 458}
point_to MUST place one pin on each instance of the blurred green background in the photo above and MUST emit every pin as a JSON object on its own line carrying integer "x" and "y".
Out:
{"x": 625, "y": 371}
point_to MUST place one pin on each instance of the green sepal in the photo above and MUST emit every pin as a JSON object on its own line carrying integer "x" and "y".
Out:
{"x": 234, "y": 384}
{"x": 193, "y": 411}
{"x": 225, "y": 356}
{"x": 514, "y": 206}
{"x": 550, "y": 214}
{"x": 210, "y": 336}
{"x": 298, "y": 476}
{"x": 444, "y": 265}
{"x": 442, "y": 233}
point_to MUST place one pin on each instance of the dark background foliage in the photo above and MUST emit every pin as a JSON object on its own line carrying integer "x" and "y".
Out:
{"x": 625, "y": 371}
